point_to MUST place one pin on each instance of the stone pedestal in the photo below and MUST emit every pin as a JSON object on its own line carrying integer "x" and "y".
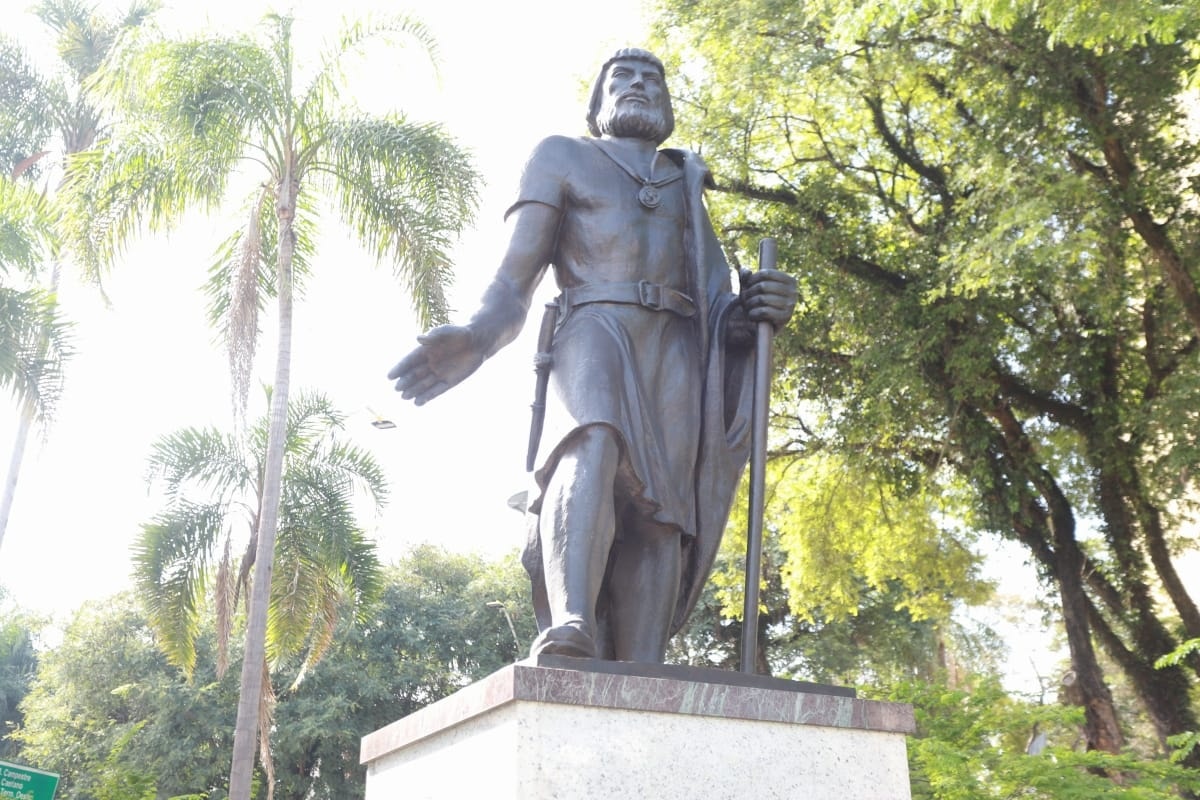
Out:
{"x": 576, "y": 729}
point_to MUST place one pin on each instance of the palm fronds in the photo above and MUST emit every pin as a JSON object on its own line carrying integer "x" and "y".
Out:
{"x": 324, "y": 567}
{"x": 405, "y": 190}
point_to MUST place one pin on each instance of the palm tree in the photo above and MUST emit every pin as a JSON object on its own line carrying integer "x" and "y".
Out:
{"x": 33, "y": 337}
{"x": 26, "y": 236}
{"x": 201, "y": 112}
{"x": 324, "y": 564}
{"x": 34, "y": 108}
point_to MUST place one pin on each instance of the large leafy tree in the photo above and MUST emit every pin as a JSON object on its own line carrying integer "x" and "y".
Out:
{"x": 988, "y": 209}
{"x": 43, "y": 115}
{"x": 107, "y": 710}
{"x": 325, "y": 567}
{"x": 834, "y": 608}
{"x": 439, "y": 625}
{"x": 201, "y": 112}
{"x": 18, "y": 661}
{"x": 980, "y": 742}
{"x": 844, "y": 545}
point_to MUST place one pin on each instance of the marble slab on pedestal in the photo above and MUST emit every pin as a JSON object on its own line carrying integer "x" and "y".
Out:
{"x": 572, "y": 728}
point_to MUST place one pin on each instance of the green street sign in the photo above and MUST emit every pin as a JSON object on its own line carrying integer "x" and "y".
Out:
{"x": 26, "y": 783}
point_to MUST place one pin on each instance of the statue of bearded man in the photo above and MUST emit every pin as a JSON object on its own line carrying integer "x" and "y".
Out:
{"x": 646, "y": 427}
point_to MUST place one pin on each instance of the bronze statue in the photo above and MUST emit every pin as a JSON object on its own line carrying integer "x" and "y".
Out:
{"x": 647, "y": 396}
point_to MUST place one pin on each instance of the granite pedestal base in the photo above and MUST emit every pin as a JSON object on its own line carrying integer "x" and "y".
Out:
{"x": 574, "y": 729}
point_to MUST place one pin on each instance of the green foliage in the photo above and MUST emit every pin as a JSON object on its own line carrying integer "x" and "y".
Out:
{"x": 431, "y": 633}
{"x": 879, "y": 644}
{"x": 117, "y": 721}
{"x": 988, "y": 210}
{"x": 197, "y": 108}
{"x": 979, "y": 742}
{"x": 325, "y": 566}
{"x": 1179, "y": 654}
{"x": 118, "y": 782}
{"x": 197, "y": 116}
{"x": 37, "y": 105}
{"x": 25, "y": 96}
{"x": 1094, "y": 24}
{"x": 33, "y": 106}
{"x": 1183, "y": 744}
{"x": 1187, "y": 742}
{"x": 18, "y": 660}
{"x": 842, "y": 532}
{"x": 34, "y": 339}
{"x": 110, "y": 715}
{"x": 31, "y": 371}
{"x": 26, "y": 229}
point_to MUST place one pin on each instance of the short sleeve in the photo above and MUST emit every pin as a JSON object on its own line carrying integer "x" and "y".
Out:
{"x": 544, "y": 178}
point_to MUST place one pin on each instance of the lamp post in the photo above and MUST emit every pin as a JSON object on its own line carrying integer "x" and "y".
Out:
{"x": 508, "y": 618}
{"x": 380, "y": 423}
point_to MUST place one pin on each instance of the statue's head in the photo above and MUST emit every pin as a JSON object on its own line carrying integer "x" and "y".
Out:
{"x": 630, "y": 98}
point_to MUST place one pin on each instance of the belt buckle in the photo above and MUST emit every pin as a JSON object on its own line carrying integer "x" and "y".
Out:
{"x": 650, "y": 295}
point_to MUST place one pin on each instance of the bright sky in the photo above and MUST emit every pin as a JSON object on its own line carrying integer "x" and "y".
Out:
{"x": 510, "y": 73}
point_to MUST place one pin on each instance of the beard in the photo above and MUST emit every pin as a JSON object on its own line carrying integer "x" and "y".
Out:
{"x": 634, "y": 122}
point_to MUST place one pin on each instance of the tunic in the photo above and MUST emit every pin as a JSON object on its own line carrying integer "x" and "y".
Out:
{"x": 659, "y": 380}
{"x": 634, "y": 370}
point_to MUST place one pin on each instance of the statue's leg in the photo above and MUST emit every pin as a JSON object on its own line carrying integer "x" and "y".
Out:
{"x": 643, "y": 590}
{"x": 577, "y": 527}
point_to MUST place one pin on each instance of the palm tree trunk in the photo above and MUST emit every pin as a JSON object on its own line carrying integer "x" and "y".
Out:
{"x": 28, "y": 412}
{"x": 251, "y": 691}
{"x": 25, "y": 423}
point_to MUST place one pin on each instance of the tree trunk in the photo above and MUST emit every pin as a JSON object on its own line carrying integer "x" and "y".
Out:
{"x": 1128, "y": 511}
{"x": 1158, "y": 690}
{"x": 24, "y": 424}
{"x": 1164, "y": 566}
{"x": 1101, "y": 726}
{"x": 1045, "y": 521}
{"x": 245, "y": 732}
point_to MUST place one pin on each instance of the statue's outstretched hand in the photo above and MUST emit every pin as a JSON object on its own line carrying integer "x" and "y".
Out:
{"x": 444, "y": 357}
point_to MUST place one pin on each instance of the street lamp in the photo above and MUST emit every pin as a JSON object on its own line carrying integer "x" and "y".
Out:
{"x": 508, "y": 618}
{"x": 379, "y": 422}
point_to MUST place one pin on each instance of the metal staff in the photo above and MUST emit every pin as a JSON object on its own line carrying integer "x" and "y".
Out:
{"x": 767, "y": 252}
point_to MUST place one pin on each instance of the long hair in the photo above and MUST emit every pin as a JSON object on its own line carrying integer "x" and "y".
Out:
{"x": 636, "y": 54}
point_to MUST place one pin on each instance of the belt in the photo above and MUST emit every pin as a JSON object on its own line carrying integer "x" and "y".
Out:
{"x": 653, "y": 296}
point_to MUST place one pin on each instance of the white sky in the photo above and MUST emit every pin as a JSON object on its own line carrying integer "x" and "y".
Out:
{"x": 510, "y": 73}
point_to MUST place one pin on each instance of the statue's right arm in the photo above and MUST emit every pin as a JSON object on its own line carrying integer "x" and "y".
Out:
{"x": 447, "y": 354}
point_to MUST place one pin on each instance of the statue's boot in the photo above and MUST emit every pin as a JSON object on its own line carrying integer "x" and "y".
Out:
{"x": 572, "y": 639}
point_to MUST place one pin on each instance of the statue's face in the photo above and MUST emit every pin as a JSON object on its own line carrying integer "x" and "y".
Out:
{"x": 631, "y": 83}
{"x": 634, "y": 102}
